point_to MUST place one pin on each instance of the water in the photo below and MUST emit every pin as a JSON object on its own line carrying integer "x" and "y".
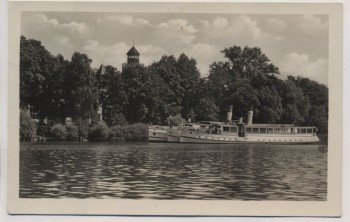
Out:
{"x": 173, "y": 171}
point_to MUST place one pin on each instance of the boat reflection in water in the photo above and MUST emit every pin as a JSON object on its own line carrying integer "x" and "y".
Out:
{"x": 235, "y": 132}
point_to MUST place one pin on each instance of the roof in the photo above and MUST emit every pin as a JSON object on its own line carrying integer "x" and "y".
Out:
{"x": 133, "y": 51}
{"x": 101, "y": 70}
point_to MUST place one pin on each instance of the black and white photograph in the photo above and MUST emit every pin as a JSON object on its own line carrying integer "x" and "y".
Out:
{"x": 174, "y": 106}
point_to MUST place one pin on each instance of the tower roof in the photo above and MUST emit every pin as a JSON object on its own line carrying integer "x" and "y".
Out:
{"x": 101, "y": 70}
{"x": 133, "y": 51}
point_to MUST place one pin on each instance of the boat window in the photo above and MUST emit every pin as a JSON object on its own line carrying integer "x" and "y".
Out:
{"x": 309, "y": 130}
{"x": 299, "y": 130}
{"x": 270, "y": 130}
{"x": 255, "y": 130}
{"x": 277, "y": 130}
{"x": 249, "y": 130}
{"x": 226, "y": 129}
{"x": 262, "y": 130}
{"x": 291, "y": 130}
{"x": 303, "y": 130}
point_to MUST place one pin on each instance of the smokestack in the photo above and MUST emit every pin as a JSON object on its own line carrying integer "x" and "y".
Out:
{"x": 250, "y": 116}
{"x": 229, "y": 114}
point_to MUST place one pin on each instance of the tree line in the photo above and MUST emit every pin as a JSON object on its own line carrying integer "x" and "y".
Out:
{"x": 168, "y": 90}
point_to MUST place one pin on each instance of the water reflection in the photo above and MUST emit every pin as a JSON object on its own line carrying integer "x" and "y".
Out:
{"x": 173, "y": 171}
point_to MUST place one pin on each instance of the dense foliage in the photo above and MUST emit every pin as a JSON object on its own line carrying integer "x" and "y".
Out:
{"x": 59, "y": 132}
{"x": 167, "y": 91}
{"x": 72, "y": 132}
{"x": 98, "y": 132}
{"x": 27, "y": 126}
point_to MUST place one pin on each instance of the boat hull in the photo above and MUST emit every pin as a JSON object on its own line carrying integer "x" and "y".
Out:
{"x": 174, "y": 135}
{"x": 157, "y": 135}
{"x": 270, "y": 139}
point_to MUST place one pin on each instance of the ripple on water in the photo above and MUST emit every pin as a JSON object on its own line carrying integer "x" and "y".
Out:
{"x": 173, "y": 171}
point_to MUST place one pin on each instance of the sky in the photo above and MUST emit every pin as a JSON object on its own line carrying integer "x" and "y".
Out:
{"x": 297, "y": 44}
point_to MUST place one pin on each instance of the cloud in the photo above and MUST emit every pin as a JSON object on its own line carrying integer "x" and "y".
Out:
{"x": 276, "y": 24}
{"x": 150, "y": 53}
{"x": 220, "y": 23}
{"x": 142, "y": 21}
{"x": 301, "y": 64}
{"x": 311, "y": 24}
{"x": 62, "y": 41}
{"x": 106, "y": 53}
{"x": 240, "y": 29}
{"x": 245, "y": 24}
{"x": 80, "y": 28}
{"x": 41, "y": 21}
{"x": 125, "y": 19}
{"x": 177, "y": 29}
{"x": 116, "y": 54}
{"x": 200, "y": 52}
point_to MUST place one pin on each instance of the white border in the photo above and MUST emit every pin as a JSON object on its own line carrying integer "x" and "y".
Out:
{"x": 258, "y": 214}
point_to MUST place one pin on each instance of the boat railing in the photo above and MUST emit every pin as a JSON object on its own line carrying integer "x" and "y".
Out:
{"x": 200, "y": 130}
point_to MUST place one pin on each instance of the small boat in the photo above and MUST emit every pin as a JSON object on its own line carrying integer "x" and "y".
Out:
{"x": 158, "y": 133}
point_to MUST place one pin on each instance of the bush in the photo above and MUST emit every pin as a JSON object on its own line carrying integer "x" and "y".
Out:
{"x": 59, "y": 132}
{"x": 116, "y": 131}
{"x": 135, "y": 132}
{"x": 83, "y": 128}
{"x": 72, "y": 132}
{"x": 175, "y": 120}
{"x": 28, "y": 128}
{"x": 119, "y": 119}
{"x": 98, "y": 132}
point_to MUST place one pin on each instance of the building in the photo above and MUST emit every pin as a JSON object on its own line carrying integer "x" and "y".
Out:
{"x": 133, "y": 58}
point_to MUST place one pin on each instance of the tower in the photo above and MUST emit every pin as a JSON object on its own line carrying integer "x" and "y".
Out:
{"x": 133, "y": 58}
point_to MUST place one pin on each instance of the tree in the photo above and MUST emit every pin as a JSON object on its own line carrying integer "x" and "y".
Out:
{"x": 318, "y": 116}
{"x": 35, "y": 68}
{"x": 189, "y": 80}
{"x": 146, "y": 94}
{"x": 81, "y": 89}
{"x": 245, "y": 81}
{"x": 28, "y": 127}
{"x": 41, "y": 80}
{"x": 113, "y": 97}
{"x": 207, "y": 110}
{"x": 175, "y": 120}
{"x": 248, "y": 62}
{"x": 318, "y": 97}
{"x": 53, "y": 93}
{"x": 166, "y": 69}
{"x": 270, "y": 108}
{"x": 296, "y": 104}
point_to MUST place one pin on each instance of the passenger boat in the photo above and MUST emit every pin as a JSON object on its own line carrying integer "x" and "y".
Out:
{"x": 237, "y": 132}
{"x": 232, "y": 132}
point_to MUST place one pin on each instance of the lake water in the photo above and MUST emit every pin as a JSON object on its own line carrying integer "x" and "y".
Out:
{"x": 173, "y": 171}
